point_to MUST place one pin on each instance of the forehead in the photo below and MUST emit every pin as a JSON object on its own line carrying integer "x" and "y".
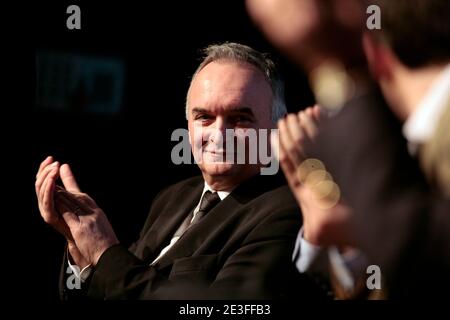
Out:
{"x": 226, "y": 84}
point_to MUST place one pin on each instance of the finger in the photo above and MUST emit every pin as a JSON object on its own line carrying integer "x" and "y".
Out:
{"x": 40, "y": 180}
{"x": 39, "y": 198}
{"x": 42, "y": 208}
{"x": 318, "y": 113}
{"x": 310, "y": 112}
{"x": 78, "y": 203}
{"x": 48, "y": 175}
{"x": 47, "y": 197}
{"x": 314, "y": 114}
{"x": 308, "y": 125}
{"x": 66, "y": 211}
{"x": 285, "y": 161}
{"x": 297, "y": 135}
{"x": 292, "y": 146}
{"x": 43, "y": 164}
{"x": 42, "y": 175}
{"x": 68, "y": 179}
{"x": 288, "y": 167}
{"x": 284, "y": 141}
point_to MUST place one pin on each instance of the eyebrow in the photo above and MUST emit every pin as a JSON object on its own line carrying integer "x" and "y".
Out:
{"x": 246, "y": 110}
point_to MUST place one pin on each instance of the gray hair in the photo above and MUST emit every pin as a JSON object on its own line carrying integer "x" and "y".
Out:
{"x": 241, "y": 53}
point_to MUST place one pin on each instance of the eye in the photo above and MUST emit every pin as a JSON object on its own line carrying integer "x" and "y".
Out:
{"x": 203, "y": 117}
{"x": 241, "y": 119}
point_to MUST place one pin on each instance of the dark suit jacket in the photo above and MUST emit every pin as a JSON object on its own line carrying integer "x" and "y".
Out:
{"x": 241, "y": 249}
{"x": 402, "y": 224}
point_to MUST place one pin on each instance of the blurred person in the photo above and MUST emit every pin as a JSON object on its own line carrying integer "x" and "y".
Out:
{"x": 410, "y": 59}
{"x": 227, "y": 234}
{"x": 385, "y": 208}
{"x": 411, "y": 62}
{"x": 324, "y": 37}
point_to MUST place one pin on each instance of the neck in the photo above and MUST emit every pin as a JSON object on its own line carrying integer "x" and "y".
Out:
{"x": 224, "y": 183}
{"x": 219, "y": 185}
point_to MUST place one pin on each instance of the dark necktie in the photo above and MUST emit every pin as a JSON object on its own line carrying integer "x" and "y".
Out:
{"x": 209, "y": 200}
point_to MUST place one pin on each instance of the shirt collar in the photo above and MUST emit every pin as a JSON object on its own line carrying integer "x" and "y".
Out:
{"x": 421, "y": 124}
{"x": 222, "y": 194}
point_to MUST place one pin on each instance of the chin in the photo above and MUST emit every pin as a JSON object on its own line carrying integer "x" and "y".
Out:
{"x": 218, "y": 169}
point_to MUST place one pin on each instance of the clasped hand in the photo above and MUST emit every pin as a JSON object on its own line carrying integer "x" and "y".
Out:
{"x": 72, "y": 213}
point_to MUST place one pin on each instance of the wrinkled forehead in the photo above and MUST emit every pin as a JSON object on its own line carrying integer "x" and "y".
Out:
{"x": 224, "y": 84}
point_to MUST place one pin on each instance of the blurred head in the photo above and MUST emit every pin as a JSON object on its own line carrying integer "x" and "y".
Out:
{"x": 234, "y": 88}
{"x": 311, "y": 31}
{"x": 414, "y": 40}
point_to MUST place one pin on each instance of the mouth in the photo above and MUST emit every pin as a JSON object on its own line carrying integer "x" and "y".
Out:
{"x": 218, "y": 152}
{"x": 219, "y": 156}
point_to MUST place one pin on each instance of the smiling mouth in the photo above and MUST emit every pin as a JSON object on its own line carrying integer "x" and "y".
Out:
{"x": 219, "y": 152}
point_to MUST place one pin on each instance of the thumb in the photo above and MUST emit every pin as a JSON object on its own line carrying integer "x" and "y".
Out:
{"x": 68, "y": 179}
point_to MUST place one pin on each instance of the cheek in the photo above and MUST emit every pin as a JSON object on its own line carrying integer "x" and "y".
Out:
{"x": 197, "y": 136}
{"x": 191, "y": 134}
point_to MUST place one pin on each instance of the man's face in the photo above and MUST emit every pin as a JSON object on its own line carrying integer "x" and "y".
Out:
{"x": 226, "y": 95}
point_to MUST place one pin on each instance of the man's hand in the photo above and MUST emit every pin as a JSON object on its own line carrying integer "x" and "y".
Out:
{"x": 90, "y": 228}
{"x": 45, "y": 185}
{"x": 73, "y": 213}
{"x": 324, "y": 215}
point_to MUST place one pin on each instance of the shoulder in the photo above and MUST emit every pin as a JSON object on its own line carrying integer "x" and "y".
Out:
{"x": 170, "y": 196}
{"x": 175, "y": 189}
{"x": 278, "y": 198}
{"x": 273, "y": 205}
{"x": 272, "y": 215}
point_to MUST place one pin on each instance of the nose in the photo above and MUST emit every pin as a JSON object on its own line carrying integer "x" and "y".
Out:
{"x": 218, "y": 136}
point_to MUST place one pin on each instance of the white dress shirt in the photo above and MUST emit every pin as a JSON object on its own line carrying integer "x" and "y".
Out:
{"x": 316, "y": 259}
{"x": 84, "y": 274}
{"x": 222, "y": 195}
{"x": 421, "y": 124}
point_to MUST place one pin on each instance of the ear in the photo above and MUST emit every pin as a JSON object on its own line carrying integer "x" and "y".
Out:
{"x": 379, "y": 57}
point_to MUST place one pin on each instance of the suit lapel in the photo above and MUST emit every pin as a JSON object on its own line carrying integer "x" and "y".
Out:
{"x": 216, "y": 219}
{"x": 166, "y": 224}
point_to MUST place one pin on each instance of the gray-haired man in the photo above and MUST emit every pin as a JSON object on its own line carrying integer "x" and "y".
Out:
{"x": 227, "y": 234}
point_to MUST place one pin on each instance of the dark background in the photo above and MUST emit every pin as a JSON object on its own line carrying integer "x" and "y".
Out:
{"x": 122, "y": 159}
